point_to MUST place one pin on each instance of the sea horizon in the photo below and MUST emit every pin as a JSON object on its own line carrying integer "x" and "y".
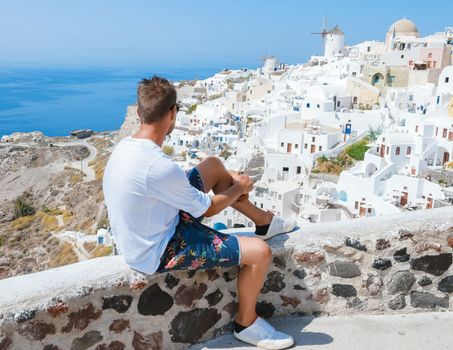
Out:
{"x": 56, "y": 100}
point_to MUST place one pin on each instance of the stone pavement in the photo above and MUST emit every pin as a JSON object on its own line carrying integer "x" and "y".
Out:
{"x": 421, "y": 331}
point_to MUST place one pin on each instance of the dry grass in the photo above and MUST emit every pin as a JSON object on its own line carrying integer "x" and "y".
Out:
{"x": 65, "y": 256}
{"x": 89, "y": 246}
{"x": 23, "y": 222}
{"x": 101, "y": 250}
{"x": 99, "y": 164}
{"x": 48, "y": 222}
{"x": 67, "y": 217}
{"x": 85, "y": 226}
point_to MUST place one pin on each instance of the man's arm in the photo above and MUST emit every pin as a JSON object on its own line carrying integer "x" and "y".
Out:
{"x": 241, "y": 185}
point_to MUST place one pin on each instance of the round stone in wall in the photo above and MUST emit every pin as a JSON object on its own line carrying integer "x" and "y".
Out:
{"x": 188, "y": 327}
{"x": 154, "y": 301}
{"x": 401, "y": 282}
{"x": 425, "y": 281}
{"x": 397, "y": 303}
{"x": 446, "y": 285}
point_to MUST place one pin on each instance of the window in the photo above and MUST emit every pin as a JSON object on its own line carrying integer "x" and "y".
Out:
{"x": 298, "y": 170}
{"x": 313, "y": 139}
{"x": 408, "y": 151}
{"x": 368, "y": 49}
{"x": 318, "y": 106}
{"x": 437, "y": 130}
{"x": 369, "y": 210}
{"x": 280, "y": 197}
{"x": 447, "y": 79}
{"x": 402, "y": 56}
{"x": 296, "y": 145}
{"x": 355, "y": 99}
{"x": 356, "y": 205}
{"x": 282, "y": 144}
{"x": 100, "y": 240}
{"x": 416, "y": 128}
{"x": 308, "y": 105}
{"x": 305, "y": 146}
{"x": 320, "y": 148}
{"x": 338, "y": 103}
{"x": 285, "y": 168}
{"x": 438, "y": 99}
{"x": 261, "y": 205}
{"x": 444, "y": 133}
{"x": 397, "y": 151}
{"x": 388, "y": 149}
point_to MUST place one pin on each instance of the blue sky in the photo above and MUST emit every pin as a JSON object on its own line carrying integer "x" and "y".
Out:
{"x": 179, "y": 33}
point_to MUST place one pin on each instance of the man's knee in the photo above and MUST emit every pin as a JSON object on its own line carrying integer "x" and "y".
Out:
{"x": 255, "y": 251}
{"x": 266, "y": 251}
{"x": 213, "y": 161}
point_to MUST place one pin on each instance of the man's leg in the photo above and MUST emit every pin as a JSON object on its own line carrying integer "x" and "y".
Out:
{"x": 216, "y": 177}
{"x": 256, "y": 256}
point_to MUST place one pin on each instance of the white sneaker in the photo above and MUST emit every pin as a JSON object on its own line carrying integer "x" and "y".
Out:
{"x": 263, "y": 335}
{"x": 278, "y": 226}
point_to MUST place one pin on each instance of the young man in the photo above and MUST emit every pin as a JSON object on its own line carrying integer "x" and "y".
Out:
{"x": 155, "y": 211}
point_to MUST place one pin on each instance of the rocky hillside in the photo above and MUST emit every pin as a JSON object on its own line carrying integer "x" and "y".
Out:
{"x": 47, "y": 186}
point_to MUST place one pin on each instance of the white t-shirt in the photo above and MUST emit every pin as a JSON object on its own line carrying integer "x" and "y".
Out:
{"x": 144, "y": 191}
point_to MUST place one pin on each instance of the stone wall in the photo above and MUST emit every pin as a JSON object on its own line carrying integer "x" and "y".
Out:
{"x": 400, "y": 263}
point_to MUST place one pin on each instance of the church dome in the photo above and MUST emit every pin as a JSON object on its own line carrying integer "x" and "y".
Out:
{"x": 403, "y": 26}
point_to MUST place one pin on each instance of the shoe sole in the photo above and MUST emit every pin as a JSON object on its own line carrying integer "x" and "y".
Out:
{"x": 286, "y": 345}
{"x": 266, "y": 237}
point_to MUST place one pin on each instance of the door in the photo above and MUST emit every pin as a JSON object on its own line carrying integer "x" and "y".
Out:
{"x": 382, "y": 151}
{"x": 362, "y": 211}
{"x": 429, "y": 205}
{"x": 403, "y": 200}
{"x": 312, "y": 149}
{"x": 446, "y": 157}
{"x": 288, "y": 148}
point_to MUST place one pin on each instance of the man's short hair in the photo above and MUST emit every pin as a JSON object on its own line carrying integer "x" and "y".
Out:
{"x": 155, "y": 97}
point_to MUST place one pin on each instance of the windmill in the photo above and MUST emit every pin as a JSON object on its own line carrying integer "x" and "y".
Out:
{"x": 323, "y": 33}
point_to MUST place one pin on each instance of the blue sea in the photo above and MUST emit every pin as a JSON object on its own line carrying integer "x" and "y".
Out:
{"x": 58, "y": 100}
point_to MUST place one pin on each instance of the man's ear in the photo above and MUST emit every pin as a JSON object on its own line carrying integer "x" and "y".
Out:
{"x": 173, "y": 115}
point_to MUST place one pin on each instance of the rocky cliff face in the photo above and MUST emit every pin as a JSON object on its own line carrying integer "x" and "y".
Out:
{"x": 130, "y": 125}
{"x": 48, "y": 185}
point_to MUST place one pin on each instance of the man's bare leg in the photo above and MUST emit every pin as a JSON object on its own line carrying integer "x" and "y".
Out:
{"x": 256, "y": 254}
{"x": 217, "y": 178}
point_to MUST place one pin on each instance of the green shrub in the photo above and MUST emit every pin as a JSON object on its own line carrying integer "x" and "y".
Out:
{"x": 22, "y": 208}
{"x": 192, "y": 109}
{"x": 357, "y": 150}
{"x": 168, "y": 150}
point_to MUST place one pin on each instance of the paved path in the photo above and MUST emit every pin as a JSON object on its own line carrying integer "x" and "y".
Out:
{"x": 421, "y": 331}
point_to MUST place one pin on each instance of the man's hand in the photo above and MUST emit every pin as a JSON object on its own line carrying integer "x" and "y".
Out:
{"x": 245, "y": 183}
{"x": 243, "y": 198}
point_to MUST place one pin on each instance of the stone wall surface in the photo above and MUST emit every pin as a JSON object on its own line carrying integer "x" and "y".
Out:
{"x": 400, "y": 263}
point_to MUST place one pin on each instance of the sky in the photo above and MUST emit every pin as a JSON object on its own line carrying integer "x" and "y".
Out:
{"x": 179, "y": 33}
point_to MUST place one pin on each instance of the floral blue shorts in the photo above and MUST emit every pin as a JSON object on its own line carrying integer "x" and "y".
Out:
{"x": 195, "y": 246}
